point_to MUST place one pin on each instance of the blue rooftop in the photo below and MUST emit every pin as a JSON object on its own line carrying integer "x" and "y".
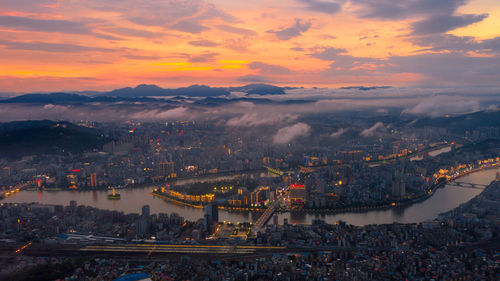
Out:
{"x": 132, "y": 277}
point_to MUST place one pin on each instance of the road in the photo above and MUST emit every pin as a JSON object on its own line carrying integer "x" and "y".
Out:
{"x": 135, "y": 251}
{"x": 266, "y": 216}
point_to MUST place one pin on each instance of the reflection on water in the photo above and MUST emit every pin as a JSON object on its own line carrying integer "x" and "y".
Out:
{"x": 443, "y": 200}
{"x": 296, "y": 217}
{"x": 398, "y": 212}
{"x": 133, "y": 199}
{"x": 432, "y": 153}
{"x": 439, "y": 151}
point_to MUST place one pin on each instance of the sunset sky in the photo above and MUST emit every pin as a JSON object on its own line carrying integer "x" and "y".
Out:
{"x": 61, "y": 45}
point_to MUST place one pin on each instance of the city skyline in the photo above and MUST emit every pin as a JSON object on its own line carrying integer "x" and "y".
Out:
{"x": 147, "y": 140}
{"x": 87, "y": 45}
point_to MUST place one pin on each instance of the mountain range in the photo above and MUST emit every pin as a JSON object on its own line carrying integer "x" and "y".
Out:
{"x": 145, "y": 90}
{"x": 147, "y": 93}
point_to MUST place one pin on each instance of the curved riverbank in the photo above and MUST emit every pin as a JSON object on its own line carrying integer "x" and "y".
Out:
{"x": 396, "y": 204}
{"x": 443, "y": 199}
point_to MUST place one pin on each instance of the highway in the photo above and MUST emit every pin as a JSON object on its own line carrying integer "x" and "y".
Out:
{"x": 180, "y": 249}
{"x": 135, "y": 251}
{"x": 159, "y": 252}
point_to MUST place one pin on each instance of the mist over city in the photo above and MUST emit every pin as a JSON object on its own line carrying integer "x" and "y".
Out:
{"x": 261, "y": 140}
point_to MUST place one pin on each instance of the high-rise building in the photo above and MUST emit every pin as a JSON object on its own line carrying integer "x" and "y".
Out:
{"x": 6, "y": 172}
{"x": 398, "y": 184}
{"x": 255, "y": 197}
{"x": 145, "y": 211}
{"x": 266, "y": 161}
{"x": 211, "y": 218}
{"x": 165, "y": 169}
{"x": 398, "y": 188}
{"x": 213, "y": 211}
{"x": 245, "y": 200}
{"x": 175, "y": 219}
{"x": 275, "y": 219}
{"x": 141, "y": 227}
{"x": 72, "y": 180}
{"x": 352, "y": 156}
{"x": 93, "y": 180}
{"x": 298, "y": 192}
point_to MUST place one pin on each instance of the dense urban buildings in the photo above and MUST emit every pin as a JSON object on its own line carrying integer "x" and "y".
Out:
{"x": 268, "y": 184}
{"x": 249, "y": 140}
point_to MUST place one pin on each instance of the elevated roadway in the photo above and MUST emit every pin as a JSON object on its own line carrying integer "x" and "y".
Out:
{"x": 466, "y": 184}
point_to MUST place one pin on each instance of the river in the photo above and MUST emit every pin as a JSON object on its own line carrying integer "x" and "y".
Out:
{"x": 432, "y": 153}
{"x": 132, "y": 200}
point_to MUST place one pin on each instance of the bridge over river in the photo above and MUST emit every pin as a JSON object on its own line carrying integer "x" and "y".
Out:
{"x": 133, "y": 199}
{"x": 15, "y": 189}
{"x": 466, "y": 184}
{"x": 264, "y": 218}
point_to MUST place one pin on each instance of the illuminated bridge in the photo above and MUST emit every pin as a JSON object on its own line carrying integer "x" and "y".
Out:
{"x": 467, "y": 184}
{"x": 264, "y": 218}
{"x": 15, "y": 189}
{"x": 274, "y": 171}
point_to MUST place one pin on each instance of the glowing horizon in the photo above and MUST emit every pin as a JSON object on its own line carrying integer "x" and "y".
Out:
{"x": 58, "y": 45}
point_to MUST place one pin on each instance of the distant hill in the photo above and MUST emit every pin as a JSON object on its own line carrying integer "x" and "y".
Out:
{"x": 217, "y": 101}
{"x": 139, "y": 91}
{"x": 194, "y": 91}
{"x": 47, "y": 98}
{"x": 146, "y": 93}
{"x": 221, "y": 101}
{"x": 65, "y": 98}
{"x": 153, "y": 90}
{"x": 363, "y": 88}
{"x": 259, "y": 89}
{"x": 23, "y": 138}
{"x": 461, "y": 123}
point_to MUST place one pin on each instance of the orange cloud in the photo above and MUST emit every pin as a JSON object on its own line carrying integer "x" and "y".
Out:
{"x": 231, "y": 42}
